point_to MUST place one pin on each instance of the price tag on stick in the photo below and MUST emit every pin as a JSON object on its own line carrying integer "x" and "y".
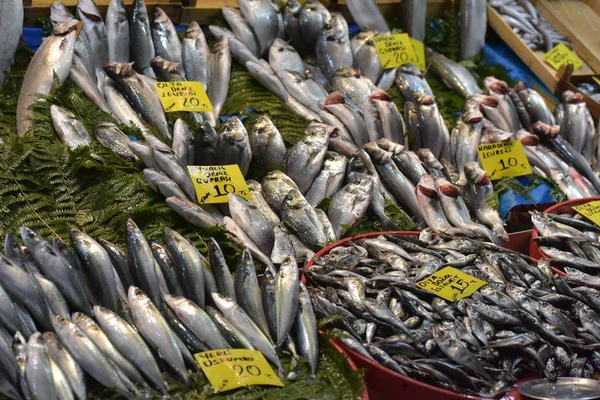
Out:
{"x": 504, "y": 159}
{"x": 214, "y": 182}
{"x": 560, "y": 55}
{"x": 183, "y": 96}
{"x": 451, "y": 284}
{"x": 590, "y": 210}
{"x": 233, "y": 368}
{"x": 394, "y": 50}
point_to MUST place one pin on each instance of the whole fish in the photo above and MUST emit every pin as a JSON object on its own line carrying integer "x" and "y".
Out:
{"x": 233, "y": 145}
{"x": 355, "y": 87}
{"x": 241, "y": 29}
{"x": 263, "y": 19}
{"x": 54, "y": 56}
{"x": 95, "y": 32}
{"x": 434, "y": 132}
{"x": 69, "y": 128}
{"x": 267, "y": 143}
{"x": 367, "y": 15}
{"x": 283, "y": 57}
{"x": 367, "y": 61}
{"x": 267, "y": 77}
{"x": 141, "y": 261}
{"x": 69, "y": 367}
{"x": 117, "y": 32}
{"x": 219, "y": 69}
{"x": 139, "y": 94}
{"x": 577, "y": 126}
{"x": 195, "y": 53}
{"x": 502, "y": 93}
{"x": 183, "y": 142}
{"x": 165, "y": 71}
{"x": 473, "y": 24}
{"x": 286, "y": 297}
{"x": 299, "y": 216}
{"x": 189, "y": 265}
{"x": 205, "y": 145}
{"x": 191, "y": 212}
{"x": 223, "y": 276}
{"x": 121, "y": 109}
{"x": 466, "y": 136}
{"x": 111, "y": 137}
{"x": 38, "y": 370}
{"x": 140, "y": 37}
{"x": 172, "y": 166}
{"x": 330, "y": 179}
{"x": 11, "y": 20}
{"x": 166, "y": 42}
{"x": 304, "y": 89}
{"x": 305, "y": 159}
{"x": 241, "y": 237}
{"x": 275, "y": 187}
{"x": 156, "y": 331}
{"x": 392, "y": 124}
{"x": 333, "y": 46}
{"x": 534, "y": 103}
{"x": 336, "y": 104}
{"x": 81, "y": 76}
{"x": 129, "y": 342}
{"x": 312, "y": 18}
{"x": 410, "y": 80}
{"x": 89, "y": 356}
{"x": 412, "y": 18}
{"x": 454, "y": 75}
{"x": 349, "y": 204}
{"x": 306, "y": 330}
{"x": 251, "y": 220}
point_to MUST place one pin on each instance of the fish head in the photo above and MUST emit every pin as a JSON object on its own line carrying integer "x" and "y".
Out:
{"x": 88, "y": 9}
{"x": 232, "y": 130}
{"x": 424, "y": 99}
{"x": 429, "y": 159}
{"x": 193, "y": 31}
{"x": 495, "y": 85}
{"x": 543, "y": 130}
{"x": 136, "y": 294}
{"x": 379, "y": 155}
{"x": 160, "y": 18}
{"x": 319, "y": 132}
{"x": 520, "y": 87}
{"x": 30, "y": 237}
{"x": 347, "y": 73}
{"x": 49, "y": 337}
{"x": 411, "y": 69}
{"x": 12, "y": 248}
{"x": 222, "y": 44}
{"x": 488, "y": 102}
{"x": 390, "y": 146}
{"x": 336, "y": 28}
{"x": 573, "y": 98}
{"x": 426, "y": 186}
{"x": 294, "y": 200}
{"x": 165, "y": 65}
{"x": 263, "y": 128}
{"x": 117, "y": 70}
{"x": 60, "y": 323}
{"x": 80, "y": 317}
{"x": 475, "y": 174}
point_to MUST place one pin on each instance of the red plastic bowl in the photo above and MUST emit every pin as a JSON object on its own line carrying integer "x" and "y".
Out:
{"x": 336, "y": 345}
{"x": 566, "y": 207}
{"x": 384, "y": 383}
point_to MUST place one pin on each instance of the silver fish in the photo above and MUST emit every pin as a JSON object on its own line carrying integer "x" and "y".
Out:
{"x": 454, "y": 75}
{"x": 195, "y": 53}
{"x": 233, "y": 336}
{"x": 120, "y": 107}
{"x": 263, "y": 20}
{"x": 56, "y": 300}
{"x": 286, "y": 297}
{"x": 54, "y": 56}
{"x": 233, "y": 146}
{"x": 38, "y": 370}
{"x": 139, "y": 94}
{"x": 67, "y": 364}
{"x": 501, "y": 91}
{"x": 205, "y": 145}
{"x": 140, "y": 37}
{"x": 144, "y": 154}
{"x": 350, "y": 204}
{"x": 223, "y": 276}
{"x": 330, "y": 179}
{"x": 299, "y": 216}
{"x": 252, "y": 221}
{"x": 367, "y": 15}
{"x": 183, "y": 142}
{"x": 61, "y": 385}
{"x": 410, "y": 80}
{"x": 241, "y": 29}
{"x": 95, "y": 31}
{"x": 117, "y": 31}
{"x": 241, "y": 237}
{"x": 466, "y": 135}
{"x": 355, "y": 87}
{"x": 312, "y": 17}
{"x": 81, "y": 76}
{"x": 535, "y": 105}
{"x": 129, "y": 342}
{"x": 275, "y": 186}
{"x": 165, "y": 70}
{"x": 191, "y": 212}
{"x": 367, "y": 61}
{"x": 111, "y": 137}
{"x": 303, "y": 88}
{"x": 141, "y": 260}
{"x": 69, "y": 128}
{"x": 269, "y": 79}
{"x": 267, "y": 143}
{"x": 336, "y": 104}
{"x": 11, "y": 20}
{"x": 283, "y": 57}
{"x": 219, "y": 69}
{"x": 434, "y": 132}
{"x": 305, "y": 159}
{"x": 172, "y": 166}
{"x": 412, "y": 18}
{"x": 392, "y": 124}
{"x": 156, "y": 331}
{"x": 333, "y": 46}
{"x": 473, "y": 24}
{"x": 166, "y": 42}
{"x": 306, "y": 330}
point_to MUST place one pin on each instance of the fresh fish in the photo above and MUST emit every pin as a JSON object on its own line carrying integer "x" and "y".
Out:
{"x": 12, "y": 26}
{"x": 67, "y": 364}
{"x": 304, "y": 89}
{"x": 263, "y": 20}
{"x": 454, "y": 75}
{"x": 367, "y": 15}
{"x": 366, "y": 59}
{"x": 140, "y": 37}
{"x": 412, "y": 18}
{"x": 267, "y": 144}
{"x": 141, "y": 261}
{"x": 330, "y": 179}
{"x": 95, "y": 32}
{"x": 534, "y": 103}
{"x": 312, "y": 18}
{"x": 139, "y": 94}
{"x": 255, "y": 223}
{"x": 166, "y": 42}
{"x": 114, "y": 139}
{"x": 473, "y": 24}
{"x": 69, "y": 128}
{"x": 299, "y": 216}
{"x": 191, "y": 212}
{"x": 392, "y": 124}
{"x": 349, "y": 204}
{"x": 195, "y": 54}
{"x": 54, "y": 57}
{"x": 275, "y": 187}
{"x": 219, "y": 69}
{"x": 306, "y": 330}
{"x": 233, "y": 336}
{"x": 434, "y": 132}
{"x": 240, "y": 237}
{"x": 466, "y": 136}
{"x": 233, "y": 146}
{"x": 333, "y": 46}
{"x": 117, "y": 32}
{"x": 121, "y": 109}
{"x": 172, "y": 166}
{"x": 410, "y": 80}
{"x": 223, "y": 276}
{"x": 38, "y": 370}
{"x": 241, "y": 29}
{"x": 305, "y": 159}
{"x": 336, "y": 104}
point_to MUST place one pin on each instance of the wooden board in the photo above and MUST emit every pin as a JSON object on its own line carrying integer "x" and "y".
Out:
{"x": 579, "y": 21}
{"x": 533, "y": 59}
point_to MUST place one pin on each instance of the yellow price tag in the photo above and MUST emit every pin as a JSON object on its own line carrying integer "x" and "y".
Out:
{"x": 183, "y": 96}
{"x": 214, "y": 182}
{"x": 394, "y": 50}
{"x": 596, "y": 80}
{"x": 233, "y": 368}
{"x": 590, "y": 210}
{"x": 503, "y": 160}
{"x": 419, "y": 50}
{"x": 560, "y": 55}
{"x": 451, "y": 284}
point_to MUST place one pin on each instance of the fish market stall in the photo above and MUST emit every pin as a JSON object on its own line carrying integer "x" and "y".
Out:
{"x": 251, "y": 199}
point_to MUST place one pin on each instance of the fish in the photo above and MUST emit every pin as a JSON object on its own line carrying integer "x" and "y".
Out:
{"x": 154, "y": 328}
{"x": 165, "y": 71}
{"x": 349, "y": 204}
{"x": 534, "y": 103}
{"x": 95, "y": 31}
{"x": 241, "y": 29}
{"x": 117, "y": 32}
{"x": 336, "y": 104}
{"x": 301, "y": 218}
{"x": 183, "y": 142}
{"x": 139, "y": 94}
{"x": 172, "y": 166}
{"x": 303, "y": 89}
{"x": 412, "y": 18}
{"x": 454, "y": 75}
{"x": 67, "y": 364}
{"x": 191, "y": 212}
{"x": 38, "y": 370}
{"x": 367, "y": 15}
{"x": 434, "y": 132}
{"x": 392, "y": 125}
{"x": 195, "y": 54}
{"x": 205, "y": 145}
{"x": 223, "y": 276}
{"x": 263, "y": 20}
{"x": 267, "y": 144}
{"x": 12, "y": 23}
{"x": 111, "y": 137}
{"x": 365, "y": 57}
{"x": 312, "y": 17}
{"x": 233, "y": 145}
{"x": 330, "y": 179}
{"x": 166, "y": 42}
{"x": 473, "y": 24}
{"x": 162, "y": 184}
{"x": 88, "y": 356}
{"x": 305, "y": 159}
{"x": 54, "y": 57}
{"x": 306, "y": 329}
{"x": 121, "y": 109}
{"x": 141, "y": 44}
{"x": 69, "y": 128}
{"x": 219, "y": 69}
{"x": 333, "y": 46}
{"x": 255, "y": 223}
{"x": 81, "y": 76}
{"x": 267, "y": 77}
{"x": 466, "y": 135}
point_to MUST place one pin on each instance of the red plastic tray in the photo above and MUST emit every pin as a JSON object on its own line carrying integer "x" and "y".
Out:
{"x": 383, "y": 383}
{"x": 566, "y": 207}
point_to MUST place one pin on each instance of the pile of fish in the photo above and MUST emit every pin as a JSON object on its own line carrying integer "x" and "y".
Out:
{"x": 590, "y": 89}
{"x": 527, "y": 22}
{"x": 68, "y": 314}
{"x": 572, "y": 243}
{"x": 11, "y": 24}
{"x": 524, "y": 322}
{"x": 116, "y": 63}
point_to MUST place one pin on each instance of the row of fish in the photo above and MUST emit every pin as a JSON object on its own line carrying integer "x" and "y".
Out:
{"x": 527, "y": 22}
{"x": 94, "y": 310}
{"x": 571, "y": 243}
{"x": 525, "y": 321}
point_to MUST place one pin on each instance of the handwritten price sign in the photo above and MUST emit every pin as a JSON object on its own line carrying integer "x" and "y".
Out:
{"x": 419, "y": 49}
{"x": 451, "y": 284}
{"x": 394, "y": 50}
{"x": 233, "y": 368}
{"x": 183, "y": 96}
{"x": 560, "y": 55}
{"x": 503, "y": 160}
{"x": 214, "y": 182}
{"x": 590, "y": 210}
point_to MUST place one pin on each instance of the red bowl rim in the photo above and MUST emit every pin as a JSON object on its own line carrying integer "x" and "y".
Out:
{"x": 343, "y": 351}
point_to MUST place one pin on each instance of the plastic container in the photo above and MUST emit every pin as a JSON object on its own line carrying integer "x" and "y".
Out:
{"x": 566, "y": 207}
{"x": 383, "y": 383}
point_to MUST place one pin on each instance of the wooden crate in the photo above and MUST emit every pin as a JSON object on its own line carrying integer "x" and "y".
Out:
{"x": 533, "y": 59}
